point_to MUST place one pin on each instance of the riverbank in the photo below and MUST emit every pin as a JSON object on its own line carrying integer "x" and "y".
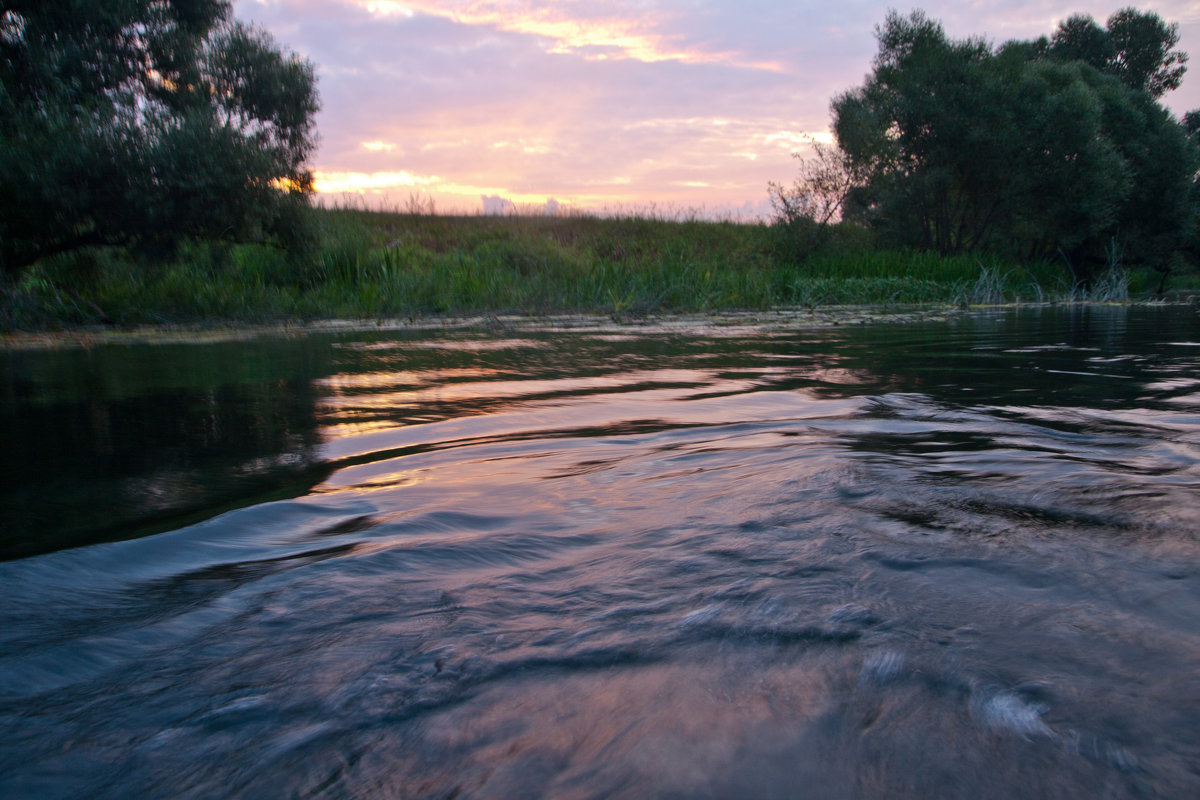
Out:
{"x": 372, "y": 265}
{"x": 681, "y": 323}
{"x": 713, "y": 323}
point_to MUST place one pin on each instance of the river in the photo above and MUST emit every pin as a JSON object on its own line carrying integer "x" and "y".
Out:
{"x": 944, "y": 558}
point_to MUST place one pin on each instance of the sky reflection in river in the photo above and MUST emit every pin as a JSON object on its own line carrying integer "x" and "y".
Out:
{"x": 933, "y": 559}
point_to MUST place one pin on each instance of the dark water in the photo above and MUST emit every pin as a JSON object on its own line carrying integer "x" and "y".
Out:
{"x": 954, "y": 559}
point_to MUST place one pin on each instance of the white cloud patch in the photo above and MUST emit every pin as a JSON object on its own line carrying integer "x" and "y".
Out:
{"x": 792, "y": 140}
{"x": 496, "y": 205}
{"x": 386, "y": 9}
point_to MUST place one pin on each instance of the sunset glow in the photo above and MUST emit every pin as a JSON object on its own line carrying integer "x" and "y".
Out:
{"x": 494, "y": 105}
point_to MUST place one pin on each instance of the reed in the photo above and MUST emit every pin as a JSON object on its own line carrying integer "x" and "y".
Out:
{"x": 405, "y": 263}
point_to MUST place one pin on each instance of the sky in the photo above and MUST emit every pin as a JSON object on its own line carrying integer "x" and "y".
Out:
{"x": 652, "y": 106}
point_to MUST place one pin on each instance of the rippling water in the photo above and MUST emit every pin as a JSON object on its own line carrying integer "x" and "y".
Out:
{"x": 934, "y": 559}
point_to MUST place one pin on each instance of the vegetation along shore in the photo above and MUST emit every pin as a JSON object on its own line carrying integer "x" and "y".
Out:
{"x": 385, "y": 265}
{"x": 162, "y": 179}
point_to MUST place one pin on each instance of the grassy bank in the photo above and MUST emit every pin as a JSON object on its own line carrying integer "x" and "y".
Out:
{"x": 372, "y": 264}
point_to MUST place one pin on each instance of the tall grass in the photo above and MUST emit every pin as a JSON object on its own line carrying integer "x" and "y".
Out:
{"x": 371, "y": 264}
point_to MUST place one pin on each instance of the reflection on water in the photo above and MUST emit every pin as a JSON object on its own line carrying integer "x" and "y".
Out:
{"x": 116, "y": 442}
{"x": 933, "y": 559}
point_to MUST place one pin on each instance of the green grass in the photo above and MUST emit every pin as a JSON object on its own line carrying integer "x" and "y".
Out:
{"x": 372, "y": 264}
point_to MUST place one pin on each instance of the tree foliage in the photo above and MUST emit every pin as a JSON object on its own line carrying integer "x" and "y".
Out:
{"x": 1056, "y": 148}
{"x": 1136, "y": 47}
{"x": 144, "y": 122}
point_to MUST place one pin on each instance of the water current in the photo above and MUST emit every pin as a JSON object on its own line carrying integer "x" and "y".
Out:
{"x": 946, "y": 558}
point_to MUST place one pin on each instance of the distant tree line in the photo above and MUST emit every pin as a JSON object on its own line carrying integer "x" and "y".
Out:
{"x": 142, "y": 123}
{"x": 1055, "y": 148}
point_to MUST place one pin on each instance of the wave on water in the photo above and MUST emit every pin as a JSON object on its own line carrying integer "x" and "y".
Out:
{"x": 651, "y": 565}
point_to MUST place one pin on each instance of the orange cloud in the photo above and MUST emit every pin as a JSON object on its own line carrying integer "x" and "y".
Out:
{"x": 355, "y": 182}
{"x": 449, "y": 194}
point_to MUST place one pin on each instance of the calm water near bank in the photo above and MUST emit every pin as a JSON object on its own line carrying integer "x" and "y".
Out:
{"x": 944, "y": 558}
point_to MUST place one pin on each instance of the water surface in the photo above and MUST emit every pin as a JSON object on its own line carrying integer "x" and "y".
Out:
{"x": 952, "y": 558}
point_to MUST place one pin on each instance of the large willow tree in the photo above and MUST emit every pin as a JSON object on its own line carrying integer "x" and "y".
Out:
{"x": 1055, "y": 148}
{"x": 145, "y": 122}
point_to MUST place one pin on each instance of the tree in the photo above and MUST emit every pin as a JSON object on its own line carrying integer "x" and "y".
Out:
{"x": 819, "y": 192}
{"x": 1079, "y": 38}
{"x": 1136, "y": 47}
{"x": 959, "y": 147}
{"x": 931, "y": 131}
{"x": 146, "y": 122}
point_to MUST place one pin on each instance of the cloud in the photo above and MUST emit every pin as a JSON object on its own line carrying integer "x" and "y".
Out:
{"x": 594, "y": 30}
{"x": 344, "y": 182}
{"x": 385, "y": 8}
{"x": 496, "y": 205}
